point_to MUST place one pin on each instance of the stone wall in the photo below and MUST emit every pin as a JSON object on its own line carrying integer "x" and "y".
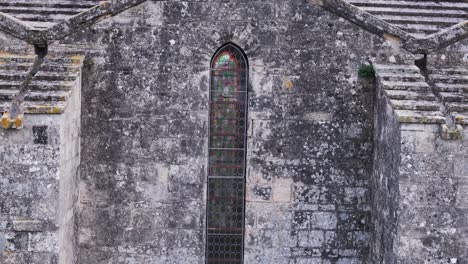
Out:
{"x": 384, "y": 182}
{"x": 140, "y": 190}
{"x": 69, "y": 171}
{"x": 433, "y": 197}
{"x": 419, "y": 187}
{"x": 38, "y": 188}
{"x": 308, "y": 187}
{"x": 456, "y": 54}
{"x": 29, "y": 191}
{"x": 10, "y": 44}
{"x": 419, "y": 191}
{"x": 144, "y": 142}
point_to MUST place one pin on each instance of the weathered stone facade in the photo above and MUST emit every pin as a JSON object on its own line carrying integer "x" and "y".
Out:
{"x": 339, "y": 169}
{"x": 39, "y": 187}
{"x": 309, "y": 148}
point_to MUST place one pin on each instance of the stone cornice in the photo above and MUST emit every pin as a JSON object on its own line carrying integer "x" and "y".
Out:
{"x": 23, "y": 31}
{"x": 414, "y": 44}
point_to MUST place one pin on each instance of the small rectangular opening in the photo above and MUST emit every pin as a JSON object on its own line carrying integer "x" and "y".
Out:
{"x": 40, "y": 135}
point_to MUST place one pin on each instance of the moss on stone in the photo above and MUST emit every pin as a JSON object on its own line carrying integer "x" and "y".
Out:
{"x": 366, "y": 71}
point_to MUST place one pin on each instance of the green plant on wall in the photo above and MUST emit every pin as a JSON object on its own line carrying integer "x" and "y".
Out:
{"x": 366, "y": 71}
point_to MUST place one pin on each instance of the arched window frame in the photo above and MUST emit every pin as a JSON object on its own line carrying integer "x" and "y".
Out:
{"x": 214, "y": 248}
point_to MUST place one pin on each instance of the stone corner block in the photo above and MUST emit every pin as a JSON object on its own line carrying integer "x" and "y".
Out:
{"x": 8, "y": 122}
{"x": 453, "y": 132}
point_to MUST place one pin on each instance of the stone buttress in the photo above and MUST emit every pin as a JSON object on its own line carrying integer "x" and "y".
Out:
{"x": 420, "y": 184}
{"x": 40, "y": 162}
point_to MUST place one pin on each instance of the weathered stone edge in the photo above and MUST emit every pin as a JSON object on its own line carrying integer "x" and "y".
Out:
{"x": 56, "y": 107}
{"x": 438, "y": 40}
{"x": 380, "y": 27}
{"x": 408, "y": 116}
{"x": 460, "y": 119}
{"x": 14, "y": 26}
{"x": 362, "y": 18}
{"x": 103, "y": 10}
{"x": 423, "y": 117}
{"x": 42, "y": 109}
{"x": 22, "y": 31}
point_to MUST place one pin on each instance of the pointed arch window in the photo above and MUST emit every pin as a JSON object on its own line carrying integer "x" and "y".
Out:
{"x": 227, "y": 153}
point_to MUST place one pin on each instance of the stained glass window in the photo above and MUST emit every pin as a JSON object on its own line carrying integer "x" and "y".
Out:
{"x": 227, "y": 148}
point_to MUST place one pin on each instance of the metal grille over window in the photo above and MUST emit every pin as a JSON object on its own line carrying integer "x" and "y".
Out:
{"x": 227, "y": 148}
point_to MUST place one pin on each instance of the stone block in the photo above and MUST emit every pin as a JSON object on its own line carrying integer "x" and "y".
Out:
{"x": 353, "y": 220}
{"x": 453, "y": 132}
{"x": 301, "y": 220}
{"x": 260, "y": 128}
{"x": 260, "y": 193}
{"x": 30, "y": 258}
{"x": 425, "y": 142}
{"x": 308, "y": 261}
{"x": 429, "y": 217}
{"x": 29, "y": 225}
{"x": 282, "y": 190}
{"x": 462, "y": 196}
{"x": 451, "y": 147}
{"x": 350, "y": 261}
{"x": 163, "y": 173}
{"x": 3, "y": 242}
{"x": 313, "y": 238}
{"x": 323, "y": 220}
{"x": 43, "y": 242}
{"x": 318, "y": 116}
{"x": 426, "y": 165}
{"x": 359, "y": 195}
{"x": 273, "y": 216}
{"x": 330, "y": 239}
{"x": 461, "y": 166}
{"x": 407, "y": 142}
{"x": 306, "y": 194}
{"x": 434, "y": 192}
{"x": 348, "y": 252}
